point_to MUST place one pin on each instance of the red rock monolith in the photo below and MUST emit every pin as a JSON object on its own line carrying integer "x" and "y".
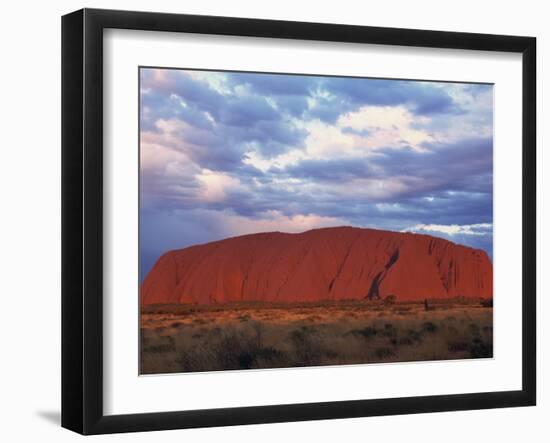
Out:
{"x": 317, "y": 265}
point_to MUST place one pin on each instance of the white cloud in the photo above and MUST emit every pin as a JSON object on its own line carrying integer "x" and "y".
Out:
{"x": 371, "y": 188}
{"x": 215, "y": 80}
{"x": 475, "y": 118}
{"x": 376, "y": 127}
{"x": 328, "y": 141}
{"x": 215, "y": 185}
{"x": 474, "y": 229}
{"x": 156, "y": 156}
{"x": 387, "y": 126}
{"x": 254, "y": 158}
{"x": 169, "y": 134}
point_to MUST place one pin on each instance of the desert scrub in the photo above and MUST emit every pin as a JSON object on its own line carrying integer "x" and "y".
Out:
{"x": 480, "y": 349}
{"x": 383, "y": 353}
{"x": 429, "y": 327}
{"x": 196, "y": 339}
{"x": 366, "y": 332}
{"x": 389, "y": 330}
{"x": 458, "y": 346}
{"x": 307, "y": 346}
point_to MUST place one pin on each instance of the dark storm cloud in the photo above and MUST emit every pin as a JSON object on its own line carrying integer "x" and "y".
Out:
{"x": 421, "y": 98}
{"x": 296, "y": 106}
{"x": 218, "y": 124}
{"x": 338, "y": 170}
{"x": 288, "y": 92}
{"x": 245, "y": 111}
{"x": 273, "y": 137}
{"x": 466, "y": 165}
{"x": 163, "y": 106}
{"x": 276, "y": 84}
{"x": 337, "y": 95}
{"x": 194, "y": 93}
{"x": 328, "y": 109}
{"x": 448, "y": 184}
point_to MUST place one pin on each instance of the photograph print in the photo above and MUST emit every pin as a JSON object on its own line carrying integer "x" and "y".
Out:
{"x": 294, "y": 220}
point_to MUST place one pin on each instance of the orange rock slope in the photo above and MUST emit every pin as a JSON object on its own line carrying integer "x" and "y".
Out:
{"x": 321, "y": 264}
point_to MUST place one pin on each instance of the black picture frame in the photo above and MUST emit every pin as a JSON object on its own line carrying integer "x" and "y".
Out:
{"x": 82, "y": 218}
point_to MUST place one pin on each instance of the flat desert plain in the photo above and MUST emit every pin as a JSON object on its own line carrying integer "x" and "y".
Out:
{"x": 232, "y": 336}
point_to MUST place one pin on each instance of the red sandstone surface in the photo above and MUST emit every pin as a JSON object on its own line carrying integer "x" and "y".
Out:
{"x": 321, "y": 264}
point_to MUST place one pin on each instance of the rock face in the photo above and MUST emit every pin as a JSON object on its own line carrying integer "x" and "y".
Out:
{"x": 322, "y": 264}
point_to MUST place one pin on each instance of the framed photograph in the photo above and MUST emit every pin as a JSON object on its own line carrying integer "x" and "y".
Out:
{"x": 269, "y": 221}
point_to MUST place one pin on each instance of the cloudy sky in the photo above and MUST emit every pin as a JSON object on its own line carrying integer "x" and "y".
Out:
{"x": 225, "y": 154}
